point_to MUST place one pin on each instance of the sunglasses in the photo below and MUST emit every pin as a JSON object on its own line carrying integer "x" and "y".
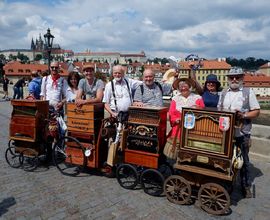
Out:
{"x": 235, "y": 77}
{"x": 54, "y": 67}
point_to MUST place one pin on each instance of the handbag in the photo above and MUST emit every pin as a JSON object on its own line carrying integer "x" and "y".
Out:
{"x": 170, "y": 150}
{"x": 238, "y": 160}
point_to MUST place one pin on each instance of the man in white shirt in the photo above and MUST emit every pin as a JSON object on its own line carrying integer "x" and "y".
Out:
{"x": 244, "y": 102}
{"x": 118, "y": 92}
{"x": 54, "y": 87}
{"x": 117, "y": 99}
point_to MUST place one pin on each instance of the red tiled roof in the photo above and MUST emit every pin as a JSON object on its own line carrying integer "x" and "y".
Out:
{"x": 256, "y": 80}
{"x": 265, "y": 66}
{"x": 19, "y": 69}
{"x": 207, "y": 64}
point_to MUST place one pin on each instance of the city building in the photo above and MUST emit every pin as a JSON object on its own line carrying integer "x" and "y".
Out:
{"x": 15, "y": 70}
{"x": 265, "y": 69}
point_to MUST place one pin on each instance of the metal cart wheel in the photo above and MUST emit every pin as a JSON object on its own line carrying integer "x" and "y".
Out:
{"x": 177, "y": 189}
{"x": 214, "y": 198}
{"x": 29, "y": 159}
{"x": 127, "y": 176}
{"x": 152, "y": 182}
{"x": 68, "y": 156}
{"x": 12, "y": 157}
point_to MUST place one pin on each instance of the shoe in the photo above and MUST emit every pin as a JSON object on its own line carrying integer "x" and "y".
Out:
{"x": 247, "y": 193}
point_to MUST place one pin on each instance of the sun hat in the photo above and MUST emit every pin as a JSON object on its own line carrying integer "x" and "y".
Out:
{"x": 212, "y": 78}
{"x": 88, "y": 67}
{"x": 189, "y": 81}
{"x": 235, "y": 71}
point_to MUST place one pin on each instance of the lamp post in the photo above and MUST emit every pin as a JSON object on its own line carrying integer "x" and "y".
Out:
{"x": 48, "y": 37}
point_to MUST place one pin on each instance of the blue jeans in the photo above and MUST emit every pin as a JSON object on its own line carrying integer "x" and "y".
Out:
{"x": 16, "y": 94}
{"x": 243, "y": 142}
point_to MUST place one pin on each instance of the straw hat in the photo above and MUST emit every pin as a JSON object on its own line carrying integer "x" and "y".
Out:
{"x": 189, "y": 81}
{"x": 169, "y": 76}
{"x": 85, "y": 67}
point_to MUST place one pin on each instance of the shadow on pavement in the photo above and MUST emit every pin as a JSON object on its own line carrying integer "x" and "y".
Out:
{"x": 5, "y": 204}
{"x": 236, "y": 194}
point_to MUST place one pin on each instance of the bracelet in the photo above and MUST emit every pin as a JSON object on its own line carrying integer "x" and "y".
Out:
{"x": 245, "y": 115}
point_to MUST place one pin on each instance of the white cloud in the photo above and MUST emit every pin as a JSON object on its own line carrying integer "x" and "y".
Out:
{"x": 160, "y": 28}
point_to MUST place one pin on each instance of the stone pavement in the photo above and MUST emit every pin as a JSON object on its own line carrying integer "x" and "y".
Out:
{"x": 47, "y": 194}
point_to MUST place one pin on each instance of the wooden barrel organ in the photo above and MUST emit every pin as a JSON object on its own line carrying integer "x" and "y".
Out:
{"x": 27, "y": 124}
{"x": 146, "y": 135}
{"x": 84, "y": 123}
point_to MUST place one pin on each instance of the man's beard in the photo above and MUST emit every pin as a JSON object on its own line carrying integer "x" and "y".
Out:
{"x": 118, "y": 79}
{"x": 236, "y": 85}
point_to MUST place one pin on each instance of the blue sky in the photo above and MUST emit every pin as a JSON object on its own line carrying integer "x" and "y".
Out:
{"x": 162, "y": 28}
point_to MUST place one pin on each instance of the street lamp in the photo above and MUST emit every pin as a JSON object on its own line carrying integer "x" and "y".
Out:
{"x": 48, "y": 37}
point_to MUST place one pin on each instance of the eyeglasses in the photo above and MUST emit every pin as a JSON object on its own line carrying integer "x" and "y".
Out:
{"x": 54, "y": 67}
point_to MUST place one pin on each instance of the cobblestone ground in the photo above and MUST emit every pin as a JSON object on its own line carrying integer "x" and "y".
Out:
{"x": 47, "y": 194}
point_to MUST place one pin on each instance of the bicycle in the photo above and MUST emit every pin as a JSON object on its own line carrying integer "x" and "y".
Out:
{"x": 68, "y": 154}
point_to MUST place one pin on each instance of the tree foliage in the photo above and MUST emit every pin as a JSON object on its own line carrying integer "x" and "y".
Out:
{"x": 250, "y": 63}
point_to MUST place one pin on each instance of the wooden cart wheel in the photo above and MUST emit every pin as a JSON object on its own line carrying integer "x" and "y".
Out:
{"x": 12, "y": 157}
{"x": 177, "y": 189}
{"x": 152, "y": 182}
{"x": 29, "y": 159}
{"x": 214, "y": 199}
{"x": 127, "y": 176}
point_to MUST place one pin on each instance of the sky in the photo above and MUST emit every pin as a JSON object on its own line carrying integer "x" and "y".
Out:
{"x": 161, "y": 28}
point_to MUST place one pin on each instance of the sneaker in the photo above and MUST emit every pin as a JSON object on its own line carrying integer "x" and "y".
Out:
{"x": 248, "y": 193}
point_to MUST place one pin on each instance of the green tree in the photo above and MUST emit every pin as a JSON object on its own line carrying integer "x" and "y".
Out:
{"x": 22, "y": 57}
{"x": 38, "y": 57}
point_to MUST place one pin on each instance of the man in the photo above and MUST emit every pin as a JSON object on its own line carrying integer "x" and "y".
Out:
{"x": 117, "y": 99}
{"x": 244, "y": 102}
{"x": 18, "y": 89}
{"x": 54, "y": 87}
{"x": 5, "y": 86}
{"x": 118, "y": 92}
{"x": 90, "y": 87}
{"x": 151, "y": 93}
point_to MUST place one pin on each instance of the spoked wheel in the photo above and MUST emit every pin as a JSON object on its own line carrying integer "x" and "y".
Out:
{"x": 127, "y": 176}
{"x": 29, "y": 159}
{"x": 12, "y": 156}
{"x": 152, "y": 182}
{"x": 68, "y": 156}
{"x": 214, "y": 199}
{"x": 177, "y": 189}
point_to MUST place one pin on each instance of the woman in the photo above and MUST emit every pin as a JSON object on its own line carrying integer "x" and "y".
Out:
{"x": 72, "y": 90}
{"x": 185, "y": 98}
{"x": 210, "y": 91}
{"x": 89, "y": 87}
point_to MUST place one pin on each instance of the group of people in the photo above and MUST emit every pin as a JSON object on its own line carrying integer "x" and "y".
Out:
{"x": 118, "y": 96}
{"x": 122, "y": 92}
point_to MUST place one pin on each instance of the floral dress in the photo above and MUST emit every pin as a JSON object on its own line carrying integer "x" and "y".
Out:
{"x": 178, "y": 102}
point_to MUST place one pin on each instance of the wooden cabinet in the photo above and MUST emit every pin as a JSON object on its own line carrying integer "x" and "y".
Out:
{"x": 28, "y": 119}
{"x": 146, "y": 135}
